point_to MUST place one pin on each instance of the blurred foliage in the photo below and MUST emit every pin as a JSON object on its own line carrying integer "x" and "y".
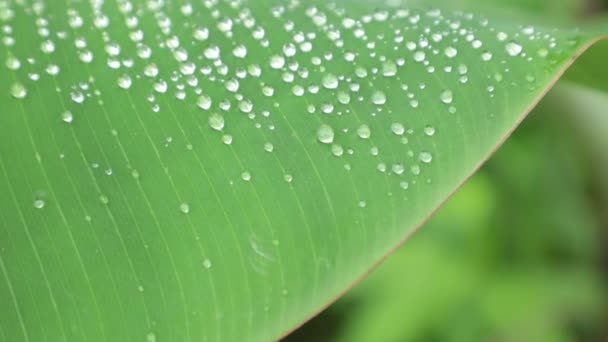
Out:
{"x": 521, "y": 252}
{"x": 514, "y": 256}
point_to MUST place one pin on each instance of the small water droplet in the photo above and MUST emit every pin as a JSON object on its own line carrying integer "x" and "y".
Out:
{"x": 207, "y": 264}
{"x": 246, "y": 176}
{"x": 151, "y": 337}
{"x": 268, "y": 147}
{"x": 104, "y": 199}
{"x": 288, "y": 178}
{"x": 429, "y": 130}
{"x": 39, "y": 204}
{"x": 184, "y": 208}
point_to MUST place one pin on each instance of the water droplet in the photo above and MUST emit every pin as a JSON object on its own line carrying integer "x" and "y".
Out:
{"x": 426, "y": 157}
{"x": 125, "y": 81}
{"x": 364, "y": 132}
{"x": 446, "y": 96}
{"x": 227, "y": 139}
{"x": 362, "y": 204}
{"x": 140, "y": 288}
{"x": 104, "y": 199}
{"x": 67, "y": 116}
{"x": 513, "y": 48}
{"x": 246, "y": 176}
{"x": 18, "y": 90}
{"x": 450, "y": 52}
{"x": 378, "y": 98}
{"x": 207, "y": 264}
{"x": 288, "y": 178}
{"x": 337, "y": 150}
{"x": 330, "y": 81}
{"x": 268, "y": 147}
{"x": 389, "y": 69}
{"x": 277, "y": 62}
{"x": 12, "y": 63}
{"x": 184, "y": 208}
{"x": 151, "y": 337}
{"x": 240, "y": 51}
{"x": 429, "y": 130}
{"x": 216, "y": 122}
{"x": 397, "y": 128}
{"x": 204, "y": 102}
{"x": 325, "y": 134}
{"x": 39, "y": 204}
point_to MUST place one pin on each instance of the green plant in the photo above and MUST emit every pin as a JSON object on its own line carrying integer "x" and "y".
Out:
{"x": 222, "y": 170}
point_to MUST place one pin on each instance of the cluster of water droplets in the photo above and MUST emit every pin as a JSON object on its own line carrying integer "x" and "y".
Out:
{"x": 395, "y": 73}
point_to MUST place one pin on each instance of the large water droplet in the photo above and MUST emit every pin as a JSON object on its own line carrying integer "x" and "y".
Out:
{"x": 513, "y": 48}
{"x": 325, "y": 134}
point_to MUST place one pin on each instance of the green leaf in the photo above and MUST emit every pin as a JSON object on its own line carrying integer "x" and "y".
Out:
{"x": 222, "y": 170}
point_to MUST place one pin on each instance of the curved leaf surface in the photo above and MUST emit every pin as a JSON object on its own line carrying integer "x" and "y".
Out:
{"x": 221, "y": 170}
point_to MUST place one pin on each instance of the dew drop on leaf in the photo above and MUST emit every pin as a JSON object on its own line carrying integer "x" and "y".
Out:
{"x": 446, "y": 96}
{"x": 426, "y": 157}
{"x": 246, "y": 176}
{"x": 513, "y": 48}
{"x": 325, "y": 134}
{"x": 67, "y": 116}
{"x": 364, "y": 132}
{"x": 378, "y": 98}
{"x": 397, "y": 128}
{"x": 216, "y": 121}
{"x": 18, "y": 90}
{"x": 39, "y": 204}
{"x": 184, "y": 208}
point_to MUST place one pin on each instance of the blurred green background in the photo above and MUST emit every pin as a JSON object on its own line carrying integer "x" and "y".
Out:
{"x": 521, "y": 252}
